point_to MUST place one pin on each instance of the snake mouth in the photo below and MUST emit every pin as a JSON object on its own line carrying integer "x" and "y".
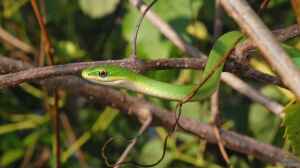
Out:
{"x": 91, "y": 76}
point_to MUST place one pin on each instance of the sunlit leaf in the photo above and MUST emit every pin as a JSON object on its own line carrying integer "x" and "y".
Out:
{"x": 238, "y": 162}
{"x": 32, "y": 90}
{"x": 98, "y": 8}
{"x": 31, "y": 139}
{"x": 26, "y": 124}
{"x": 260, "y": 65}
{"x": 69, "y": 51}
{"x": 294, "y": 53}
{"x": 101, "y": 124}
{"x": 10, "y": 156}
{"x": 11, "y": 7}
{"x": 198, "y": 29}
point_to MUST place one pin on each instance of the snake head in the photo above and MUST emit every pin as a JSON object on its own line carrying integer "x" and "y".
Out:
{"x": 107, "y": 75}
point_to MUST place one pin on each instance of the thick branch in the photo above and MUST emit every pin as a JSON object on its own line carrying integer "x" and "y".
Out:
{"x": 140, "y": 108}
{"x": 12, "y": 79}
{"x": 44, "y": 72}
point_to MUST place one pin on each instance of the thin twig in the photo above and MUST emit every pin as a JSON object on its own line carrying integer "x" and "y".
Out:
{"x": 215, "y": 112}
{"x": 12, "y": 40}
{"x": 47, "y": 47}
{"x": 137, "y": 28}
{"x": 144, "y": 126}
{"x": 263, "y": 6}
{"x": 218, "y": 23}
{"x": 167, "y": 30}
{"x": 215, "y": 109}
{"x": 253, "y": 94}
{"x": 42, "y": 159}
{"x": 296, "y": 7}
{"x": 72, "y": 139}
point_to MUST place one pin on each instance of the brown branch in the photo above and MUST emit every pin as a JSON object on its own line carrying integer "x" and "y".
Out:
{"x": 47, "y": 45}
{"x": 12, "y": 40}
{"x": 265, "y": 41}
{"x": 142, "y": 129}
{"x": 244, "y": 88}
{"x": 263, "y": 6}
{"x": 50, "y": 71}
{"x": 138, "y": 107}
{"x": 296, "y": 7}
{"x": 243, "y": 49}
{"x": 46, "y": 72}
{"x": 12, "y": 79}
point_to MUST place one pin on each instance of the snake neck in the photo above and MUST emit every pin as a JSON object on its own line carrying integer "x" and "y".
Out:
{"x": 164, "y": 90}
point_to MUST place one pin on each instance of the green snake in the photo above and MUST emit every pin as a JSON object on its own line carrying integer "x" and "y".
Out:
{"x": 120, "y": 77}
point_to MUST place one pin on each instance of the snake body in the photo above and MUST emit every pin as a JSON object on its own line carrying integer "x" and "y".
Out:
{"x": 116, "y": 76}
{"x": 120, "y": 77}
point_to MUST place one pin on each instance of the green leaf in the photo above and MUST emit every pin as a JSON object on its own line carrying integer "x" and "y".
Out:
{"x": 152, "y": 152}
{"x": 31, "y": 139}
{"x": 68, "y": 51}
{"x": 105, "y": 119}
{"x": 10, "y": 156}
{"x": 98, "y": 8}
{"x": 151, "y": 44}
{"x": 148, "y": 42}
{"x": 33, "y": 122}
{"x": 238, "y": 162}
{"x": 11, "y": 7}
{"x": 294, "y": 53}
{"x": 195, "y": 110}
{"x": 262, "y": 123}
{"x": 291, "y": 122}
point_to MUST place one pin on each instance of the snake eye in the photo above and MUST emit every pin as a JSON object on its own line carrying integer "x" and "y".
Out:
{"x": 103, "y": 74}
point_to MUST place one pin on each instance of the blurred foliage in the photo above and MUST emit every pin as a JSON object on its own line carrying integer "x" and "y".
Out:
{"x": 84, "y": 30}
{"x": 292, "y": 126}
